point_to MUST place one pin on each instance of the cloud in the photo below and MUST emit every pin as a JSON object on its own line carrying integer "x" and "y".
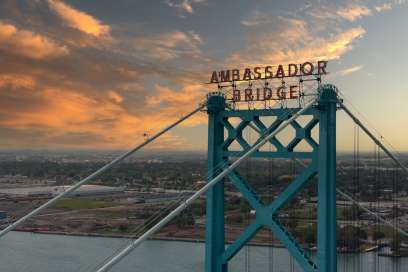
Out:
{"x": 297, "y": 31}
{"x": 292, "y": 40}
{"x": 354, "y": 12}
{"x": 255, "y": 18}
{"x": 174, "y": 102}
{"x": 384, "y": 7}
{"x": 115, "y": 97}
{"x": 73, "y": 118}
{"x": 78, "y": 19}
{"x": 338, "y": 46}
{"x": 350, "y": 70}
{"x": 168, "y": 46}
{"x": 295, "y": 42}
{"x": 109, "y": 97}
{"x": 90, "y": 101}
{"x": 15, "y": 81}
{"x": 330, "y": 13}
{"x": 28, "y": 44}
{"x": 95, "y": 98}
{"x": 188, "y": 95}
{"x": 184, "y": 5}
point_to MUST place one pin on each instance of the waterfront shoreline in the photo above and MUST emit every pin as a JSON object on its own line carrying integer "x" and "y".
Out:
{"x": 175, "y": 239}
{"x": 122, "y": 236}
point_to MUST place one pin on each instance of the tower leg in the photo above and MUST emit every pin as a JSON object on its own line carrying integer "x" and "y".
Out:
{"x": 214, "y": 236}
{"x": 326, "y": 239}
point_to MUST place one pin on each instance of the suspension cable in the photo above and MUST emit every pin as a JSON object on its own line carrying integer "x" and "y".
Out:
{"x": 271, "y": 245}
{"x": 96, "y": 173}
{"x": 370, "y": 124}
{"x": 224, "y": 173}
{"x": 344, "y": 194}
{"x": 356, "y": 202}
{"x": 150, "y": 221}
{"x": 182, "y": 196}
{"x": 377, "y": 196}
{"x": 217, "y": 169}
{"x": 378, "y": 142}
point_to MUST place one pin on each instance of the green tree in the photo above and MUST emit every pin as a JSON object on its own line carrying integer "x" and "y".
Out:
{"x": 350, "y": 237}
{"x": 245, "y": 208}
{"x": 353, "y": 212}
{"x": 310, "y": 234}
{"x": 185, "y": 219}
{"x": 123, "y": 227}
{"x": 378, "y": 235}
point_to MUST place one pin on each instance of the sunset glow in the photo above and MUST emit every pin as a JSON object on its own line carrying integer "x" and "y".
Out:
{"x": 101, "y": 74}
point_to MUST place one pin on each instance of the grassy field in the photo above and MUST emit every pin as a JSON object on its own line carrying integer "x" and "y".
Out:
{"x": 81, "y": 204}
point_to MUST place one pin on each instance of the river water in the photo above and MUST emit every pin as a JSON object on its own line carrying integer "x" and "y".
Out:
{"x": 54, "y": 253}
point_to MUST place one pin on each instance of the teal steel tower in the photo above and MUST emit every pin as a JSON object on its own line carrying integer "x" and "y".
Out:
{"x": 323, "y": 164}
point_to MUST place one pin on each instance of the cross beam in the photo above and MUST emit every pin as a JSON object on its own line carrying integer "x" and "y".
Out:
{"x": 266, "y": 215}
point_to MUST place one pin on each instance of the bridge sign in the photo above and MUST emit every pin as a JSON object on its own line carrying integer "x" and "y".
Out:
{"x": 242, "y": 82}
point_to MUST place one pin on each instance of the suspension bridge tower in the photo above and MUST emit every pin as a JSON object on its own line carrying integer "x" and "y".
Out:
{"x": 322, "y": 159}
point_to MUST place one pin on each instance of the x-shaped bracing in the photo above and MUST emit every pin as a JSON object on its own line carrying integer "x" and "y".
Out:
{"x": 302, "y": 133}
{"x": 267, "y": 215}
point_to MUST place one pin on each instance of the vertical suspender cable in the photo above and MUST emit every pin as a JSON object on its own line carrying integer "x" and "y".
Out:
{"x": 291, "y": 221}
{"x": 378, "y": 142}
{"x": 382, "y": 220}
{"x": 394, "y": 214}
{"x": 108, "y": 265}
{"x": 359, "y": 194}
{"x": 96, "y": 173}
{"x": 353, "y": 241}
{"x": 378, "y": 177}
{"x": 344, "y": 216}
{"x": 248, "y": 215}
{"x": 375, "y": 195}
{"x": 270, "y": 247}
{"x": 386, "y": 151}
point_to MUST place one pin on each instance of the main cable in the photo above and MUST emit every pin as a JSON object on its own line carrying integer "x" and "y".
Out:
{"x": 147, "y": 224}
{"x": 204, "y": 189}
{"x": 218, "y": 168}
{"x": 96, "y": 173}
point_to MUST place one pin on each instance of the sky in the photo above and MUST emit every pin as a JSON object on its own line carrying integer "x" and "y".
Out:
{"x": 102, "y": 74}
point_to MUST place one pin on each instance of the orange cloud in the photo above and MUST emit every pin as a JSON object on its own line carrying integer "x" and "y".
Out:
{"x": 78, "y": 19}
{"x": 341, "y": 43}
{"x": 299, "y": 45}
{"x": 297, "y": 31}
{"x": 70, "y": 117}
{"x": 28, "y": 44}
{"x": 353, "y": 13}
{"x": 17, "y": 81}
{"x": 114, "y": 96}
{"x": 175, "y": 103}
{"x": 96, "y": 100}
